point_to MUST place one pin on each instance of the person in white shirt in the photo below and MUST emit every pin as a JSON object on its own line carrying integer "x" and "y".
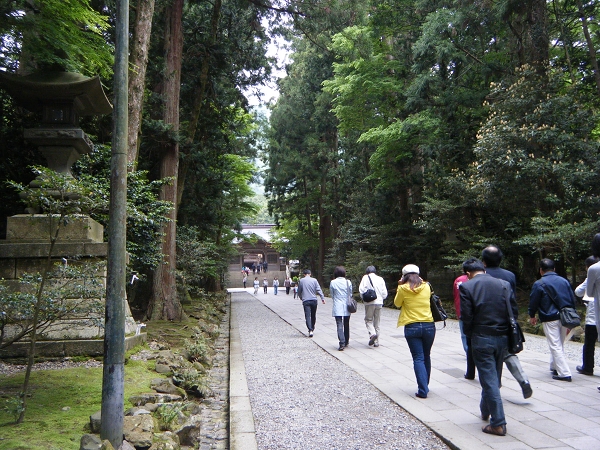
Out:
{"x": 373, "y": 308}
{"x": 593, "y": 281}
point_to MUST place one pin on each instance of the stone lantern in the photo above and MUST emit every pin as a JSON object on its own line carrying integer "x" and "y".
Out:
{"x": 61, "y": 98}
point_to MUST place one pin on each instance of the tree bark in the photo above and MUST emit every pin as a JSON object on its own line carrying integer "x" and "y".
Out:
{"x": 164, "y": 303}
{"x": 138, "y": 61}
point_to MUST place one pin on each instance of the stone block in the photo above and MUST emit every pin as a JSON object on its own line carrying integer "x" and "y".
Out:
{"x": 40, "y": 227}
{"x": 8, "y": 268}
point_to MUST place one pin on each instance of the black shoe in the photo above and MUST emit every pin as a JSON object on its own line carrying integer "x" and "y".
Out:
{"x": 341, "y": 349}
{"x": 584, "y": 372}
{"x": 469, "y": 376}
{"x": 419, "y": 395}
{"x": 500, "y": 430}
{"x": 372, "y": 339}
{"x": 527, "y": 391}
{"x": 556, "y": 377}
{"x": 554, "y": 372}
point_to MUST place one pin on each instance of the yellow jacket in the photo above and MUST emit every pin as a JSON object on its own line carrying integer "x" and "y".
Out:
{"x": 415, "y": 304}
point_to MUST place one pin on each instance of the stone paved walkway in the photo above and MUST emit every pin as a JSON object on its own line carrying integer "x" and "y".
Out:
{"x": 559, "y": 415}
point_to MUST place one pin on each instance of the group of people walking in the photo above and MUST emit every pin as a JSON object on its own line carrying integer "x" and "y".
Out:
{"x": 485, "y": 300}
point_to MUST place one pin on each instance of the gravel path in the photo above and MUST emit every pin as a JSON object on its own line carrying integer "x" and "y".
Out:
{"x": 303, "y": 398}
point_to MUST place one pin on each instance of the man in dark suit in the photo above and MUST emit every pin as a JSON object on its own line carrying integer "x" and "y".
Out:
{"x": 484, "y": 312}
{"x": 492, "y": 257}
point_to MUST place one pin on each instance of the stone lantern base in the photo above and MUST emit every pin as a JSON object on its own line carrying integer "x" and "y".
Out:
{"x": 25, "y": 251}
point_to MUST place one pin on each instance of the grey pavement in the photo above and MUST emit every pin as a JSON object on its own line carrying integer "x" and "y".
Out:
{"x": 559, "y": 415}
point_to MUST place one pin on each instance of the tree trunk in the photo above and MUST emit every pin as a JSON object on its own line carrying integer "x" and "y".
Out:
{"x": 590, "y": 44}
{"x": 138, "y": 61}
{"x": 164, "y": 303}
{"x": 539, "y": 40}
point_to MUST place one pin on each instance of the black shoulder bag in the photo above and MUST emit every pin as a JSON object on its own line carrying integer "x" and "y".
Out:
{"x": 370, "y": 294}
{"x": 568, "y": 315}
{"x": 515, "y": 334}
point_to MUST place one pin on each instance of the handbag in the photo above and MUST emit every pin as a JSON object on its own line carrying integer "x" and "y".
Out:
{"x": 516, "y": 338}
{"x": 568, "y": 315}
{"x": 370, "y": 294}
{"x": 437, "y": 310}
{"x": 350, "y": 302}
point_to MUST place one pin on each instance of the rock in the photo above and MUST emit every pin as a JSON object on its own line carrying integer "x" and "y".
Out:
{"x": 162, "y": 368}
{"x": 153, "y": 397}
{"x": 95, "y": 420}
{"x": 66, "y": 408}
{"x": 151, "y": 407}
{"x": 106, "y": 445}
{"x": 190, "y": 431}
{"x": 138, "y": 430}
{"x": 135, "y": 411}
{"x": 126, "y": 446}
{"x": 90, "y": 442}
{"x": 166, "y": 441}
{"x": 166, "y": 386}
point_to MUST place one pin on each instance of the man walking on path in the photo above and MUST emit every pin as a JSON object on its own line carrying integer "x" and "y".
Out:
{"x": 492, "y": 256}
{"x": 373, "y": 309}
{"x": 548, "y": 296}
{"x": 484, "y": 312}
{"x": 308, "y": 289}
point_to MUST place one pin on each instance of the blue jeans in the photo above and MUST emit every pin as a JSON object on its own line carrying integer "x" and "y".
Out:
{"x": 419, "y": 337}
{"x": 488, "y": 353}
{"x": 343, "y": 329}
{"x": 310, "y": 313}
{"x": 275, "y": 289}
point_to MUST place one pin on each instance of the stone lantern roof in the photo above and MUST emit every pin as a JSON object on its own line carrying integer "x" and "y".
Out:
{"x": 38, "y": 89}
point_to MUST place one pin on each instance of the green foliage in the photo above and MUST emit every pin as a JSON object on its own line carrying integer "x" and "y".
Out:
{"x": 13, "y": 406}
{"x": 145, "y": 212}
{"x": 55, "y": 35}
{"x": 191, "y": 380}
{"x": 170, "y": 414}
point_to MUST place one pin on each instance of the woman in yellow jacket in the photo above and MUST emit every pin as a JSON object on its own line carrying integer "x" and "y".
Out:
{"x": 419, "y": 329}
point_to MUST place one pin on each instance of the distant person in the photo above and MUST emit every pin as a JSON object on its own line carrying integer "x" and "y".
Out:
{"x": 265, "y": 284}
{"x": 265, "y": 266}
{"x": 254, "y": 269}
{"x": 548, "y": 296}
{"x": 590, "y": 330}
{"x": 340, "y": 288}
{"x": 256, "y": 285}
{"x": 492, "y": 257}
{"x": 308, "y": 289}
{"x": 244, "y": 279}
{"x": 373, "y": 309}
{"x": 415, "y": 316}
{"x": 295, "y": 289}
{"x": 288, "y": 284}
{"x": 484, "y": 311}
{"x": 275, "y": 285}
{"x": 470, "y": 372}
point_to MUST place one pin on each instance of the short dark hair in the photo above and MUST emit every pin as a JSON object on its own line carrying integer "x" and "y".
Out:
{"x": 339, "y": 271}
{"x": 306, "y": 272}
{"x": 596, "y": 245}
{"x": 590, "y": 261}
{"x": 370, "y": 269}
{"x": 473, "y": 265}
{"x": 547, "y": 264}
{"x": 492, "y": 256}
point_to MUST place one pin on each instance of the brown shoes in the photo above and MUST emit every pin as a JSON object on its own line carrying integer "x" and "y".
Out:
{"x": 498, "y": 431}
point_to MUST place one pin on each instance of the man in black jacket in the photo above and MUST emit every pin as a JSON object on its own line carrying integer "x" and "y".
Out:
{"x": 484, "y": 312}
{"x": 491, "y": 257}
